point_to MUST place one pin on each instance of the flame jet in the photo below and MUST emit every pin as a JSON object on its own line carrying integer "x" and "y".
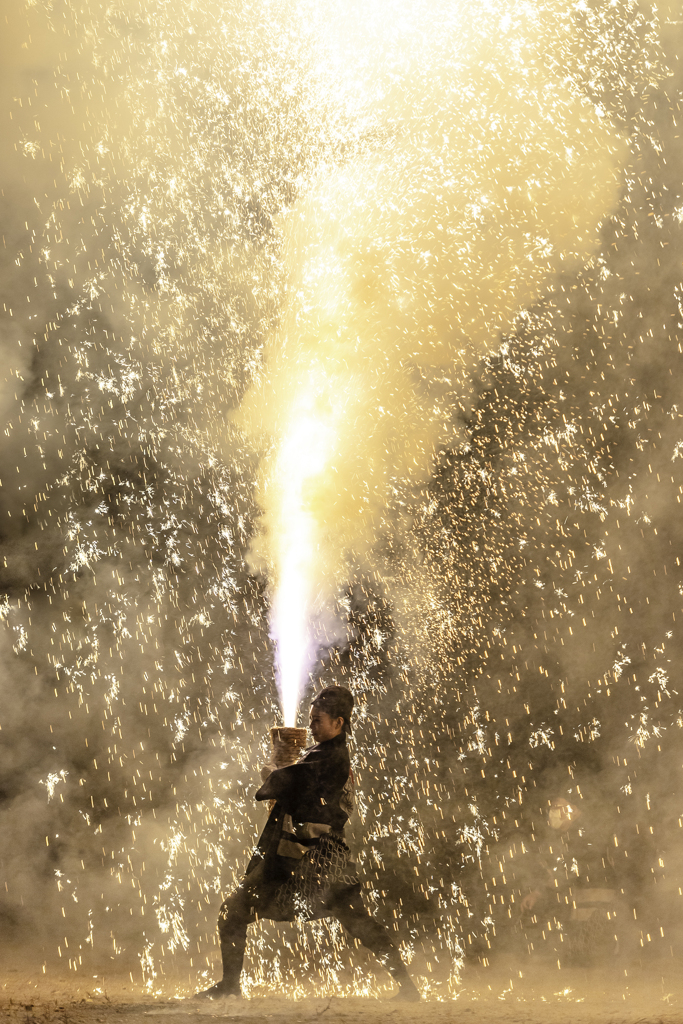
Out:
{"x": 479, "y": 176}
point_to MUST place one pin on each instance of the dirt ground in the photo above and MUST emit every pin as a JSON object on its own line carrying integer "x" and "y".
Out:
{"x": 501, "y": 996}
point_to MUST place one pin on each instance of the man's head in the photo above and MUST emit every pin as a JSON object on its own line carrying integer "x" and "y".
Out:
{"x": 331, "y": 713}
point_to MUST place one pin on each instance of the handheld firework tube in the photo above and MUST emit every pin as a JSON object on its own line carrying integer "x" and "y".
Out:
{"x": 288, "y": 744}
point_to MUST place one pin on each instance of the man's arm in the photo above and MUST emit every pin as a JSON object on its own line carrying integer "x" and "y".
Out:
{"x": 295, "y": 787}
{"x": 309, "y": 790}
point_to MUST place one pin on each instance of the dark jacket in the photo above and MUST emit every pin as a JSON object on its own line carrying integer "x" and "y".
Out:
{"x": 312, "y": 789}
{"x": 313, "y": 798}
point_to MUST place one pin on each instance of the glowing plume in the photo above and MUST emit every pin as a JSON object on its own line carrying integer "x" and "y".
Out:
{"x": 478, "y": 176}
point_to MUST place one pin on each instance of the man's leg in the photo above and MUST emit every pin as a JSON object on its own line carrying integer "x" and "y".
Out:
{"x": 236, "y": 914}
{"x": 348, "y": 907}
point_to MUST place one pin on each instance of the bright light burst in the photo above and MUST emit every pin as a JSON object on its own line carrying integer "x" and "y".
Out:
{"x": 304, "y": 455}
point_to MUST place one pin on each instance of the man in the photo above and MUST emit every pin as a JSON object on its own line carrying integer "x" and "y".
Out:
{"x": 302, "y": 867}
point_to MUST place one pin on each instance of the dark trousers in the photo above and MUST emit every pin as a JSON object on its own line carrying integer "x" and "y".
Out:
{"x": 246, "y": 904}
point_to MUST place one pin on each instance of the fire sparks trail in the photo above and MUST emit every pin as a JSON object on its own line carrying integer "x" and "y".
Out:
{"x": 345, "y": 338}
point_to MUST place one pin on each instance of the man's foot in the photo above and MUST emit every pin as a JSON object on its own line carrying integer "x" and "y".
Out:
{"x": 220, "y": 990}
{"x": 407, "y": 992}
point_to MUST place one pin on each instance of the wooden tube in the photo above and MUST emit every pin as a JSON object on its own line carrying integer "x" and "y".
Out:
{"x": 288, "y": 744}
